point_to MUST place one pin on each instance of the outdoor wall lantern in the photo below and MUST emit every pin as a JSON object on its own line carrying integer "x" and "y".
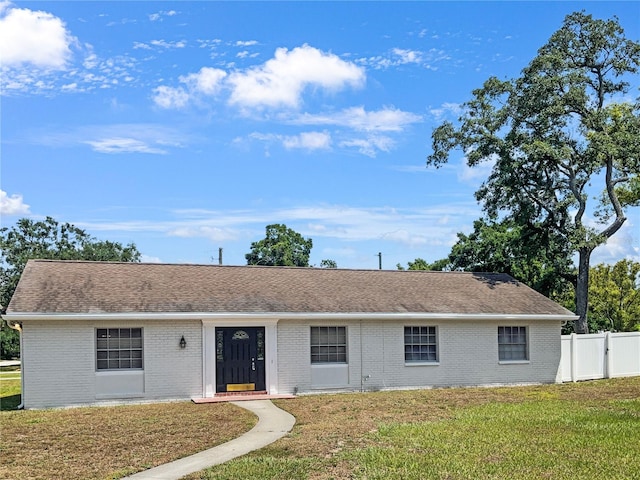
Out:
{"x": 183, "y": 342}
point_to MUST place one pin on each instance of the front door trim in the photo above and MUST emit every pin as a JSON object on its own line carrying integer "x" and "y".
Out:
{"x": 209, "y": 350}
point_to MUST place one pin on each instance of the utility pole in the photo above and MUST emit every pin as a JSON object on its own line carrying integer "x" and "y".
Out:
{"x": 379, "y": 260}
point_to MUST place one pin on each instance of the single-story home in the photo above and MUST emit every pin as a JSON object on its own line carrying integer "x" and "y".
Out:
{"x": 94, "y": 332}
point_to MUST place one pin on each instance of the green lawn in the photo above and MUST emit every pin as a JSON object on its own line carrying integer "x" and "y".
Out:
{"x": 587, "y": 430}
{"x": 542, "y": 439}
{"x": 582, "y": 430}
{"x": 9, "y": 388}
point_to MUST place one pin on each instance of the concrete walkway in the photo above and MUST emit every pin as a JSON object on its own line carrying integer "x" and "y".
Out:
{"x": 273, "y": 423}
{"x": 9, "y": 363}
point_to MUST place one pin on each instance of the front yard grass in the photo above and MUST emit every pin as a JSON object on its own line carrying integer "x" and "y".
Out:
{"x": 111, "y": 442}
{"x": 585, "y": 430}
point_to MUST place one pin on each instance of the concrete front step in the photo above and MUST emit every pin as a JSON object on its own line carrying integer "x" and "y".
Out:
{"x": 239, "y": 397}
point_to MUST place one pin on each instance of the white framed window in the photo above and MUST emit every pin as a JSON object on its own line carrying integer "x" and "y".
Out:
{"x": 119, "y": 348}
{"x": 420, "y": 344}
{"x": 513, "y": 344}
{"x": 328, "y": 345}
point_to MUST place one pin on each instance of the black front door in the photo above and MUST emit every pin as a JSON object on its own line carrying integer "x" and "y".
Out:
{"x": 240, "y": 359}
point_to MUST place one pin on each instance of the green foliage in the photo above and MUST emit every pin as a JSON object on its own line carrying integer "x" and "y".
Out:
{"x": 281, "y": 246}
{"x": 10, "y": 390}
{"x": 328, "y": 264}
{"x": 554, "y": 132}
{"x": 614, "y": 296}
{"x": 46, "y": 239}
{"x": 9, "y": 342}
{"x": 421, "y": 264}
{"x": 529, "y": 253}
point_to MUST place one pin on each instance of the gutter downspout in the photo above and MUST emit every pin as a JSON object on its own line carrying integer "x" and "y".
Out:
{"x": 18, "y": 327}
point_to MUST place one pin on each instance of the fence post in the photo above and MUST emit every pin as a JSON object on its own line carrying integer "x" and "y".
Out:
{"x": 574, "y": 356}
{"x": 607, "y": 355}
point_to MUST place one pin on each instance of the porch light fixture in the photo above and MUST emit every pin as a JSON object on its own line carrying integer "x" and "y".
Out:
{"x": 183, "y": 342}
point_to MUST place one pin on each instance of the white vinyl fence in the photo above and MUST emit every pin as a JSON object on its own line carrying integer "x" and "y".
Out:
{"x": 600, "y": 355}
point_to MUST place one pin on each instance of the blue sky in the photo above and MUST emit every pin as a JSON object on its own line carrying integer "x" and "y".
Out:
{"x": 189, "y": 126}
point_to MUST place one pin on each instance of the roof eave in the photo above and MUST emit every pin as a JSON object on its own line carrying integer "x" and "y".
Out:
{"x": 18, "y": 317}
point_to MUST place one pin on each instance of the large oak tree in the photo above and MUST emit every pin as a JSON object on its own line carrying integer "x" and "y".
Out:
{"x": 563, "y": 127}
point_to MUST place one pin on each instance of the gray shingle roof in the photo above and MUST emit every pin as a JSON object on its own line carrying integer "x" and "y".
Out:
{"x": 77, "y": 287}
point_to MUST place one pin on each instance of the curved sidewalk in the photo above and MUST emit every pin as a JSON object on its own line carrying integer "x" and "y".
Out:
{"x": 273, "y": 423}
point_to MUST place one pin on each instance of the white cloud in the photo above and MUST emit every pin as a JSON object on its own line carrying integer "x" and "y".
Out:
{"x": 170, "y": 97}
{"x": 154, "y": 17}
{"x": 406, "y": 237}
{"x": 407, "y": 56}
{"x": 388, "y": 119}
{"x": 281, "y": 81}
{"x": 210, "y": 232}
{"x": 123, "y": 145}
{"x": 308, "y": 141}
{"x": 371, "y": 145}
{"x": 248, "y": 43}
{"x": 115, "y": 138}
{"x": 624, "y": 244}
{"x": 91, "y": 60}
{"x": 447, "y": 109}
{"x": 207, "y": 80}
{"x": 149, "y": 259}
{"x": 141, "y": 46}
{"x": 247, "y": 54}
{"x": 160, "y": 44}
{"x": 399, "y": 56}
{"x": 40, "y": 56}
{"x": 34, "y": 37}
{"x": 335, "y": 229}
{"x": 12, "y": 205}
{"x": 168, "y": 45}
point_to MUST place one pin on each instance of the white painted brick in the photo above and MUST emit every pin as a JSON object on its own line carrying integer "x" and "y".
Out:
{"x": 468, "y": 355}
{"x": 59, "y": 362}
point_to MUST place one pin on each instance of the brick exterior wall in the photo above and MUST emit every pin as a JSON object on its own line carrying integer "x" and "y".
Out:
{"x": 59, "y": 365}
{"x": 468, "y": 355}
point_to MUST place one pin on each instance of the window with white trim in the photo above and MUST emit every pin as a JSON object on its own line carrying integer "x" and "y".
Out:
{"x": 328, "y": 345}
{"x": 512, "y": 344}
{"x": 420, "y": 344}
{"x": 118, "y": 348}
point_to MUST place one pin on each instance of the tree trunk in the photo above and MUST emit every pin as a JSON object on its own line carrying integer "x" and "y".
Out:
{"x": 582, "y": 290}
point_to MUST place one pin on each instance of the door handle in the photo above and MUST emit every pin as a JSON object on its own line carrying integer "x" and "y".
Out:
{"x": 253, "y": 364}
